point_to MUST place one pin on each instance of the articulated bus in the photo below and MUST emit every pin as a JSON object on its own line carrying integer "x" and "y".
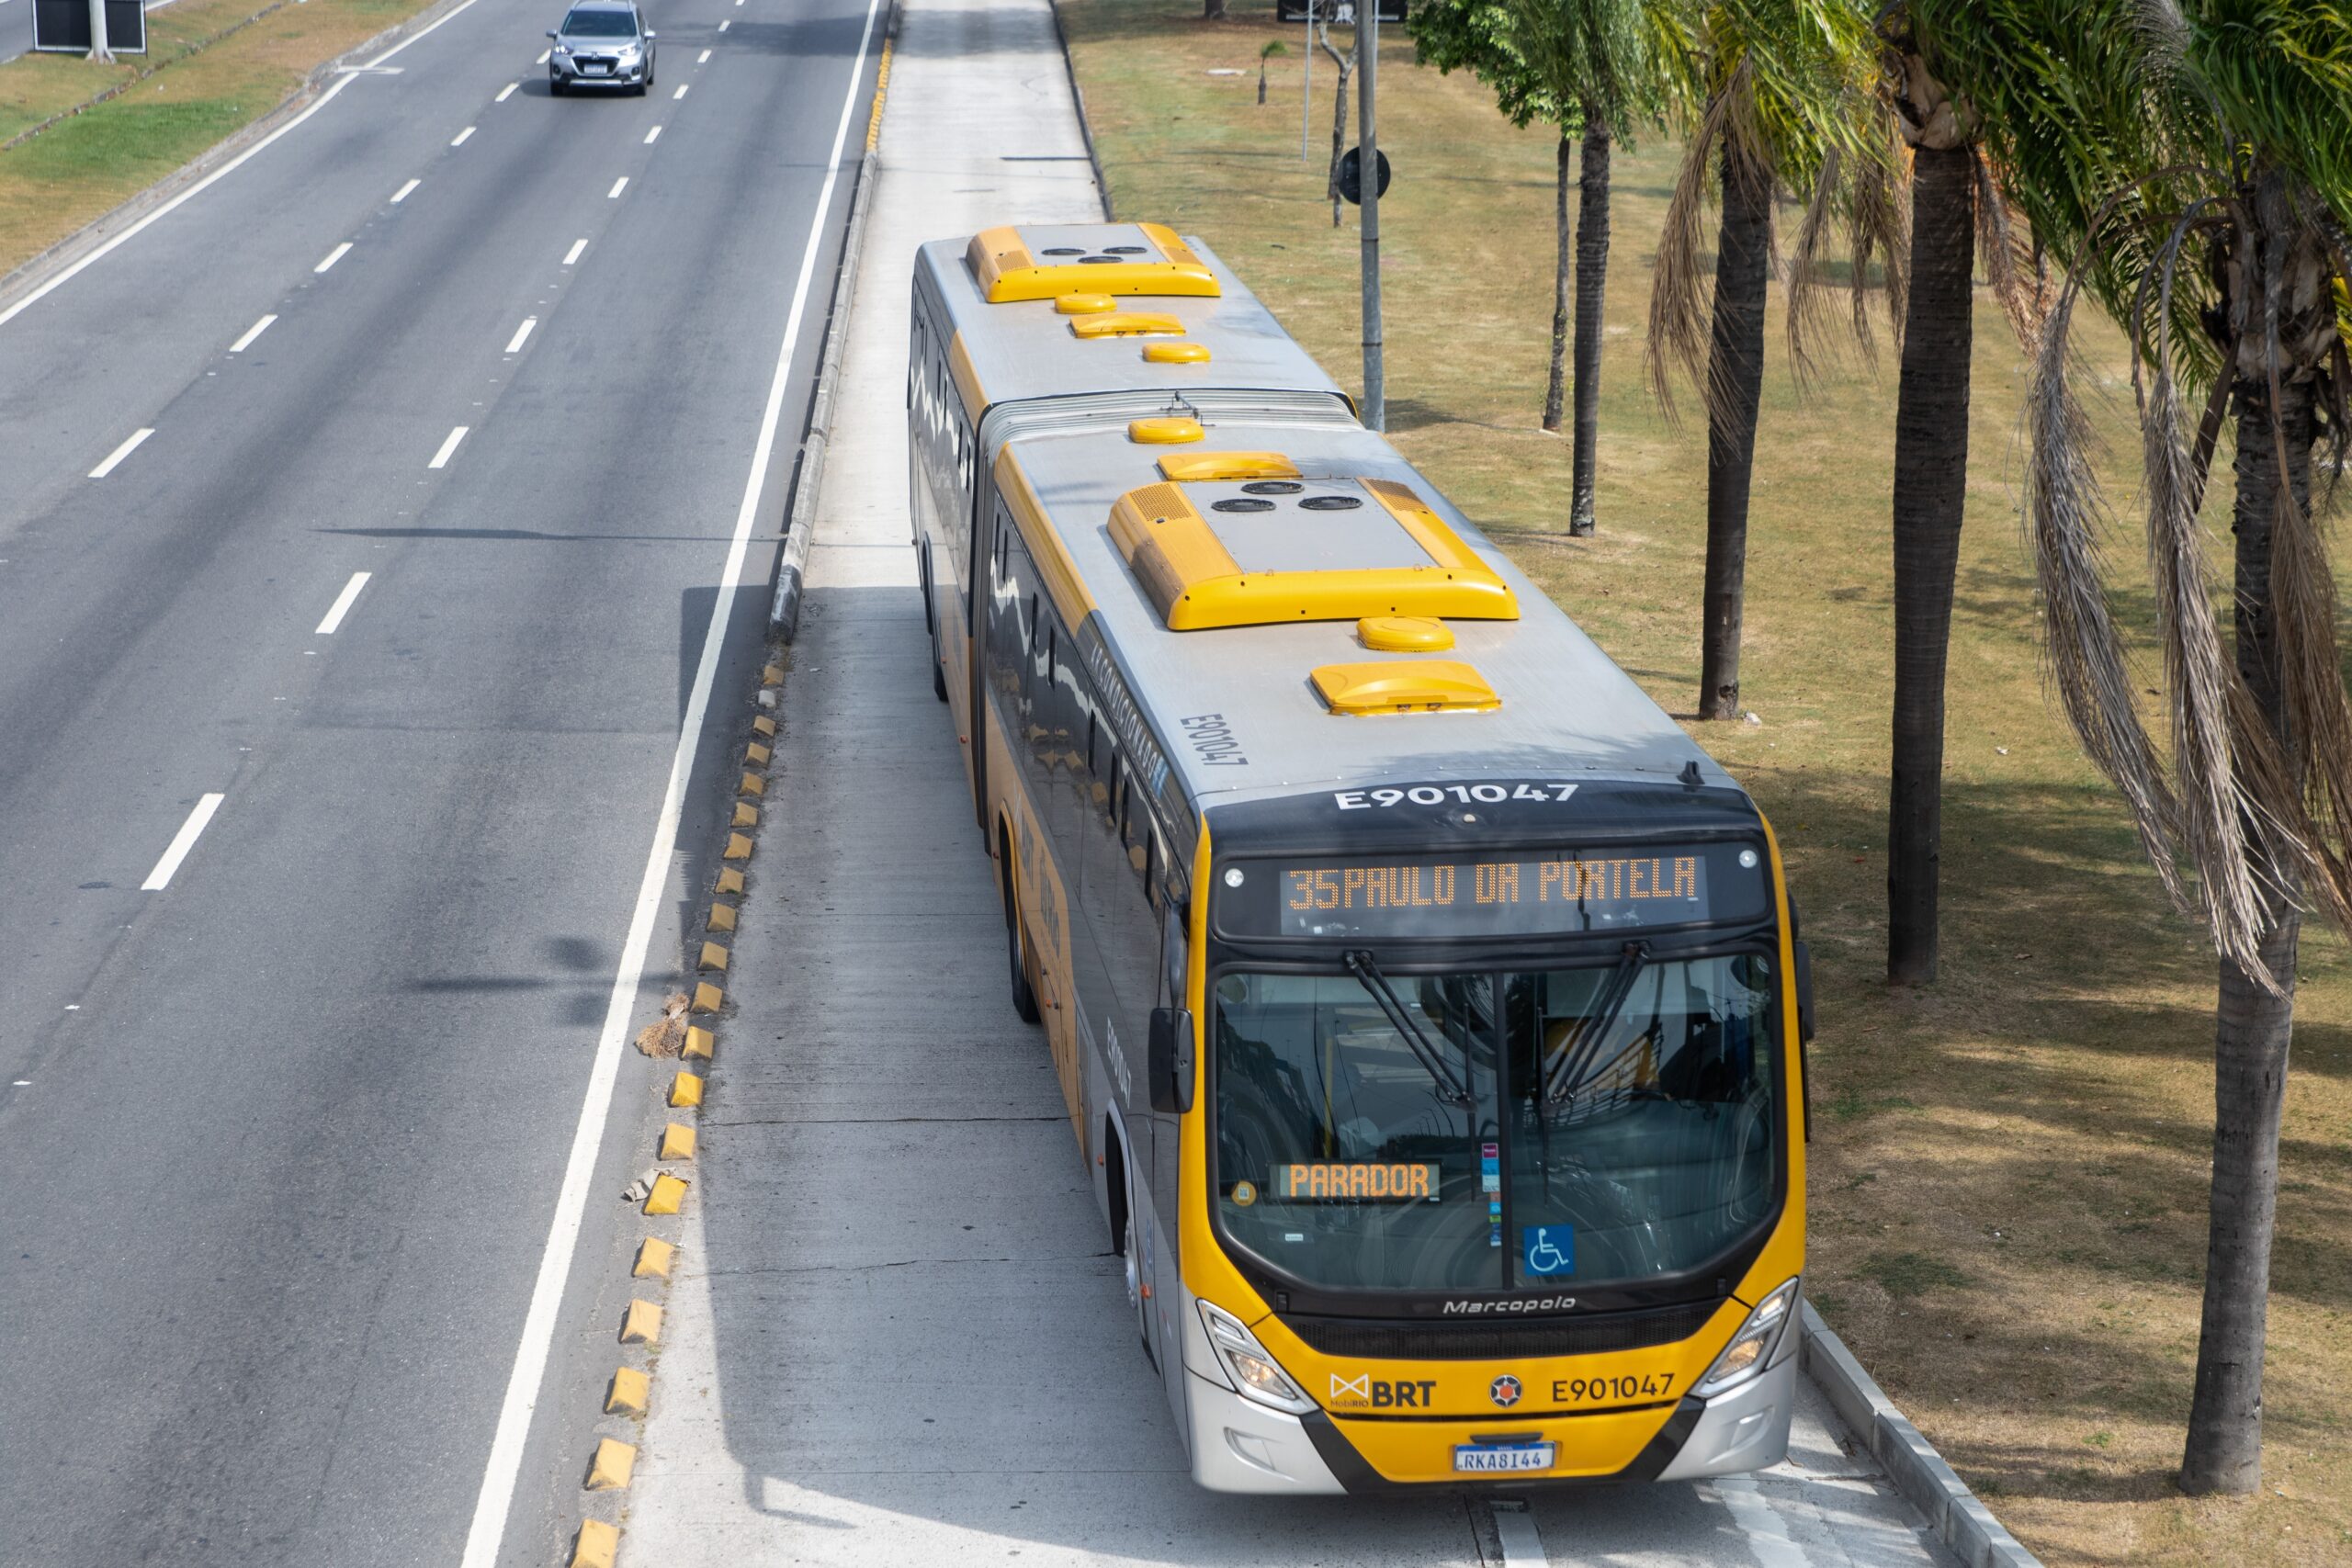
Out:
{"x": 1428, "y": 1008}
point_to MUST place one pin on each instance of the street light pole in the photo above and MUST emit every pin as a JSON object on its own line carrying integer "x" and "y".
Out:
{"x": 1368, "y": 177}
{"x": 1306, "y": 83}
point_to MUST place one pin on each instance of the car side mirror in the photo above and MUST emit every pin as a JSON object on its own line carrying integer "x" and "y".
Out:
{"x": 651, "y": 35}
{"x": 553, "y": 33}
{"x": 1170, "y": 1065}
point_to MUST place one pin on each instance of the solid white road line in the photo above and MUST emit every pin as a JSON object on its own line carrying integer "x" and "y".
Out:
{"x": 497, "y": 1497}
{"x": 182, "y": 842}
{"x": 515, "y": 343}
{"x": 333, "y": 256}
{"x": 402, "y": 195}
{"x": 652, "y": 136}
{"x": 119, "y": 453}
{"x": 682, "y": 86}
{"x": 1515, "y": 1529}
{"x": 506, "y": 92}
{"x": 574, "y": 254}
{"x": 252, "y": 332}
{"x": 225, "y": 170}
{"x": 618, "y": 186}
{"x": 441, "y": 458}
{"x": 460, "y": 140}
{"x": 342, "y": 605}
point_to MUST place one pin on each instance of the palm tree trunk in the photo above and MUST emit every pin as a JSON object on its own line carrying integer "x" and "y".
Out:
{"x": 1592, "y": 278}
{"x": 2253, "y": 1026}
{"x": 1556, "y": 388}
{"x": 1735, "y": 388}
{"x": 1930, "y": 494}
{"x": 1346, "y": 64}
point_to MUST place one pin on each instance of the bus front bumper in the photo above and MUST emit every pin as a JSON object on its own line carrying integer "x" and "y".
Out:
{"x": 1239, "y": 1446}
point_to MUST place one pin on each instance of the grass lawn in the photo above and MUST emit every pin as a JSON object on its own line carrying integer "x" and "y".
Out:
{"x": 2009, "y": 1181}
{"x": 83, "y": 167}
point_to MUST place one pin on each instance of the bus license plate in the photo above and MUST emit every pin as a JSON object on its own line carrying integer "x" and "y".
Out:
{"x": 1487, "y": 1457}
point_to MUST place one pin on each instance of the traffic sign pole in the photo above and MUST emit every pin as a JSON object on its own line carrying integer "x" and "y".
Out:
{"x": 1368, "y": 22}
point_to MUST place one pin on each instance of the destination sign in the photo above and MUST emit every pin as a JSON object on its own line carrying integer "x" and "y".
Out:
{"x": 1508, "y": 894}
{"x": 1380, "y": 1180}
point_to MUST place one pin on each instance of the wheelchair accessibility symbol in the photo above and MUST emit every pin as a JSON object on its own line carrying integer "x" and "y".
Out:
{"x": 1549, "y": 1249}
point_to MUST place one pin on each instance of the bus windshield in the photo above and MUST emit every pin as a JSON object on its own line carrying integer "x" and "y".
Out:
{"x": 1618, "y": 1123}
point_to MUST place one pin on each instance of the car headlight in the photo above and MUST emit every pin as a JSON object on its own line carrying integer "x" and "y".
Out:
{"x": 1253, "y": 1370}
{"x": 628, "y": 52}
{"x": 1751, "y": 1349}
{"x": 560, "y": 49}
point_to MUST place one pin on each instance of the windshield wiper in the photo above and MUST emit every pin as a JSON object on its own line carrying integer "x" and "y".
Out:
{"x": 1367, "y": 972}
{"x": 1570, "y": 1072}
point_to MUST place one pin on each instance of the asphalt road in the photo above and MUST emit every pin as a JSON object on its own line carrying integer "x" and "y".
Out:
{"x": 282, "y": 1137}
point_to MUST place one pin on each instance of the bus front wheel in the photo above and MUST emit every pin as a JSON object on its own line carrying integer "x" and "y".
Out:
{"x": 1024, "y": 968}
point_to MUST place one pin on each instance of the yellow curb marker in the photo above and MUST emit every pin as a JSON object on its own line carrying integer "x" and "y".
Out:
{"x": 757, "y": 756}
{"x": 668, "y": 1195}
{"x": 752, "y": 783}
{"x": 677, "y": 1141}
{"x": 746, "y": 816}
{"x": 764, "y": 725}
{"x": 729, "y": 881}
{"x": 737, "y": 848}
{"x": 713, "y": 957}
{"x": 772, "y": 676}
{"x": 629, "y": 1393}
{"x": 686, "y": 1089}
{"x": 722, "y": 918}
{"x": 653, "y": 1256}
{"x": 597, "y": 1543}
{"x": 700, "y": 1044}
{"x": 708, "y": 998}
{"x": 642, "y": 1325}
{"x": 614, "y": 1463}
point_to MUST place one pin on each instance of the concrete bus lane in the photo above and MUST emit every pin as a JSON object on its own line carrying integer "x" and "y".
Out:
{"x": 895, "y": 1333}
{"x": 312, "y": 894}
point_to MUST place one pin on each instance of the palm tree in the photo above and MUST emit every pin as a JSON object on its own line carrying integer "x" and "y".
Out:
{"x": 1346, "y": 65}
{"x": 1955, "y": 212}
{"x": 1773, "y": 90}
{"x": 1582, "y": 66}
{"x": 2192, "y": 165}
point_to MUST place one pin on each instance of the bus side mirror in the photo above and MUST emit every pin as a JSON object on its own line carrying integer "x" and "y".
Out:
{"x": 1170, "y": 1066}
{"x": 1804, "y": 994}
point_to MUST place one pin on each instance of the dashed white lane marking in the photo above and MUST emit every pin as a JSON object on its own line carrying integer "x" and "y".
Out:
{"x": 486, "y": 1533}
{"x": 652, "y": 136}
{"x": 727, "y": 24}
{"x": 182, "y": 842}
{"x": 460, "y": 140}
{"x": 574, "y": 254}
{"x": 402, "y": 195}
{"x": 223, "y": 172}
{"x": 515, "y": 343}
{"x": 343, "y": 602}
{"x": 542, "y": 60}
{"x": 1767, "y": 1531}
{"x": 252, "y": 332}
{"x": 618, "y": 186}
{"x": 333, "y": 256}
{"x": 506, "y": 92}
{"x": 441, "y": 458}
{"x": 682, "y": 86}
{"x": 1515, "y": 1529}
{"x": 706, "y": 58}
{"x": 119, "y": 453}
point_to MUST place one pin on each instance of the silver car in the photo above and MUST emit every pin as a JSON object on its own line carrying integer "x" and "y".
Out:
{"x": 603, "y": 44}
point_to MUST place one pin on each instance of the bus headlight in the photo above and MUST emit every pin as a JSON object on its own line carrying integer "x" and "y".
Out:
{"x": 1751, "y": 1349}
{"x": 1253, "y": 1370}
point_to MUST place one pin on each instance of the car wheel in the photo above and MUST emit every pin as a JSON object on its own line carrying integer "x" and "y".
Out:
{"x": 555, "y": 86}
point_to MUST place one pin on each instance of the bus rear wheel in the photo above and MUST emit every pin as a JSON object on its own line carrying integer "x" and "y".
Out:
{"x": 1024, "y": 968}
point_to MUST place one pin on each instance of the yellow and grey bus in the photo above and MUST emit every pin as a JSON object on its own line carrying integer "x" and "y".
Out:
{"x": 1427, "y": 1006}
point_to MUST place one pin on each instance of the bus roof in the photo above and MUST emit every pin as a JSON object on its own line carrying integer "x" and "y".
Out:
{"x": 1029, "y": 345}
{"x": 1566, "y": 710}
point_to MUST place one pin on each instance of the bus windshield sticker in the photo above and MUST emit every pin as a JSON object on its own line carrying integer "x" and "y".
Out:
{"x": 1548, "y": 1249}
{"x": 1528, "y": 893}
{"x": 1380, "y": 1181}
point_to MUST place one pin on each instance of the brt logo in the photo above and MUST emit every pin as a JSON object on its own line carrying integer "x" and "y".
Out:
{"x": 1369, "y": 1393}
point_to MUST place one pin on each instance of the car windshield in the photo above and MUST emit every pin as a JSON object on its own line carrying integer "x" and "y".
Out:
{"x": 1618, "y": 1123}
{"x": 600, "y": 24}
